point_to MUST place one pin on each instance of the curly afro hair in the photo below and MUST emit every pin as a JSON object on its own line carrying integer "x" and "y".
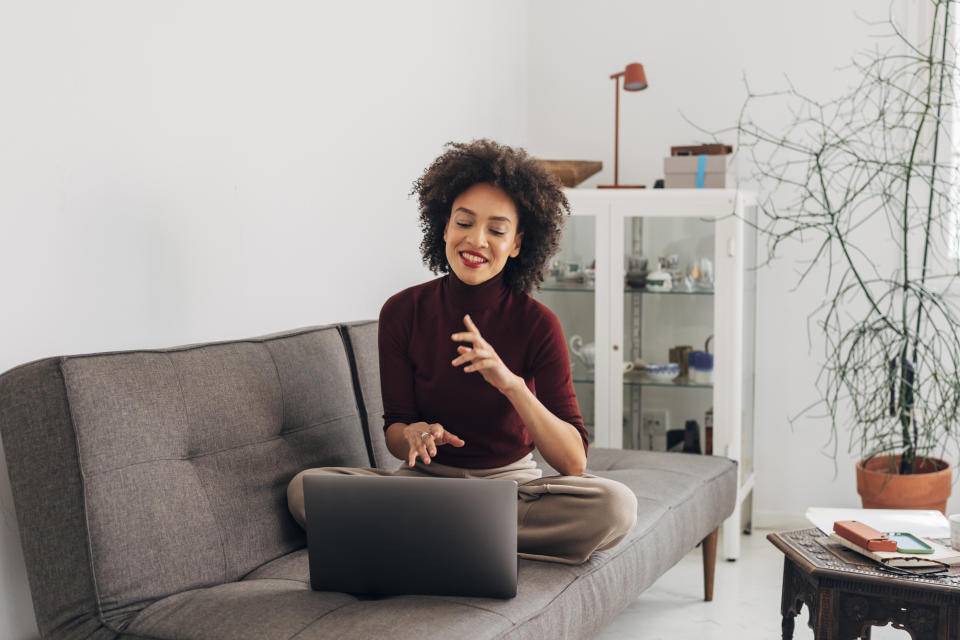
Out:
{"x": 536, "y": 194}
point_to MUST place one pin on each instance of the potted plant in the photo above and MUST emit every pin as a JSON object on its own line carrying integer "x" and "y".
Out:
{"x": 862, "y": 178}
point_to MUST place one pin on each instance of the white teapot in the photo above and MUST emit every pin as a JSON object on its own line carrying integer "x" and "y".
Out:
{"x": 587, "y": 353}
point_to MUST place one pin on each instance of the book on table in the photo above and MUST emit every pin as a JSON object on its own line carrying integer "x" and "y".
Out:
{"x": 930, "y": 526}
{"x": 941, "y": 554}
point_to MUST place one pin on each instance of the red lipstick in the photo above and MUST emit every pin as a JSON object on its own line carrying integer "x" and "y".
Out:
{"x": 472, "y": 265}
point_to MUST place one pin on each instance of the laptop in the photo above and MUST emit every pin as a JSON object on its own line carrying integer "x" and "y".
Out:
{"x": 382, "y": 535}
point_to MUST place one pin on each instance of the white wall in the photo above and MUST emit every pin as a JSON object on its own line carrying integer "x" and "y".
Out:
{"x": 695, "y": 55}
{"x": 175, "y": 172}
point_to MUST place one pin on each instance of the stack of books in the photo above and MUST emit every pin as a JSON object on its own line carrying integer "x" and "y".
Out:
{"x": 896, "y": 539}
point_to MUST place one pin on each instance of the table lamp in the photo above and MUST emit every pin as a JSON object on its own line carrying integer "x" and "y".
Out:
{"x": 634, "y": 79}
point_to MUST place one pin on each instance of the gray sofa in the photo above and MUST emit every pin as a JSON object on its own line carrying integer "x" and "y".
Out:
{"x": 149, "y": 488}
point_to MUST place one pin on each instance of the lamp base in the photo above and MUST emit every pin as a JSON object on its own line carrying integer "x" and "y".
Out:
{"x": 621, "y": 186}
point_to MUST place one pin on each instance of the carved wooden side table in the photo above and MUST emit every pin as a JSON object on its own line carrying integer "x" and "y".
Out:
{"x": 846, "y": 595}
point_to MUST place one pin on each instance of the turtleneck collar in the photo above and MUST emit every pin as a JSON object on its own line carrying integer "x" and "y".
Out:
{"x": 474, "y": 297}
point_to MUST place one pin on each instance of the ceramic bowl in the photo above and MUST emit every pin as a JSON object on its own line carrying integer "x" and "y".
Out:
{"x": 662, "y": 372}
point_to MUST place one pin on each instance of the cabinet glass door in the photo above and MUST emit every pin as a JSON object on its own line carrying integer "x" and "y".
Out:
{"x": 569, "y": 290}
{"x": 668, "y": 309}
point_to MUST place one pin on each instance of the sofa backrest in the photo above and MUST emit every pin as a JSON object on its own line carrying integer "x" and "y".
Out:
{"x": 141, "y": 474}
{"x": 361, "y": 338}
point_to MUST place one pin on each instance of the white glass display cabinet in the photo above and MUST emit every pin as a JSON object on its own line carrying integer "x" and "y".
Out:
{"x": 656, "y": 293}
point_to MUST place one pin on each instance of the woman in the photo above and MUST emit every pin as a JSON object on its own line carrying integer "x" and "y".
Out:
{"x": 475, "y": 373}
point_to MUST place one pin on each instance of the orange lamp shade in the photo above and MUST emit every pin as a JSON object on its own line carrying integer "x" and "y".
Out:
{"x": 634, "y": 78}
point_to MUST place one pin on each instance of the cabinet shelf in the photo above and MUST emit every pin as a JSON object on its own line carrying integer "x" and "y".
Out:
{"x": 639, "y": 382}
{"x": 669, "y": 385}
{"x": 557, "y": 286}
{"x": 582, "y": 288}
{"x": 668, "y": 293}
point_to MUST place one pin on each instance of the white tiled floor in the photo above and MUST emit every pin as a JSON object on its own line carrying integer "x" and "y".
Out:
{"x": 746, "y": 601}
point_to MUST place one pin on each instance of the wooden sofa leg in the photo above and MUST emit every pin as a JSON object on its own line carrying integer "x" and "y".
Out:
{"x": 709, "y": 563}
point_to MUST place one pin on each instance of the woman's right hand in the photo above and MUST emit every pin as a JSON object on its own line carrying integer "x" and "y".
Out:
{"x": 423, "y": 440}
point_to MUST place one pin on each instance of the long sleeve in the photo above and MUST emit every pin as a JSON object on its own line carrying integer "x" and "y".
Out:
{"x": 396, "y": 369}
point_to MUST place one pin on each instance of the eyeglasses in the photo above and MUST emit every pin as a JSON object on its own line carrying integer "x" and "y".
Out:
{"x": 928, "y": 568}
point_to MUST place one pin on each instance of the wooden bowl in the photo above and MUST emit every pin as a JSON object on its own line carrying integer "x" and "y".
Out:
{"x": 570, "y": 173}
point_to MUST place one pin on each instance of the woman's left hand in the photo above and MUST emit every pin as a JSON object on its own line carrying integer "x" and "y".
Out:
{"x": 482, "y": 357}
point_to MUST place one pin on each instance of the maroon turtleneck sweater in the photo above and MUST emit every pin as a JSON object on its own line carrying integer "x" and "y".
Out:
{"x": 419, "y": 383}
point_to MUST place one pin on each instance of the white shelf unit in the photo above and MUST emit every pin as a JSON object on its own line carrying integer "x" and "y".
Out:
{"x": 733, "y": 321}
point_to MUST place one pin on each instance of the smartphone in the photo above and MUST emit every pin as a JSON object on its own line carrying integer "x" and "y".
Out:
{"x": 909, "y": 543}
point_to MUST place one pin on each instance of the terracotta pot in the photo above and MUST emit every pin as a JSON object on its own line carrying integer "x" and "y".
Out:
{"x": 929, "y": 488}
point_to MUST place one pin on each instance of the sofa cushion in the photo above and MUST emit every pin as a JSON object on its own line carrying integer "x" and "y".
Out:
{"x": 185, "y": 455}
{"x": 681, "y": 498}
{"x": 280, "y": 594}
{"x": 252, "y": 609}
{"x": 538, "y": 584}
{"x": 283, "y": 610}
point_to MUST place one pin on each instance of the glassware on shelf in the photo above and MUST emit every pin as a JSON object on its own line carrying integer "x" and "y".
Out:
{"x": 699, "y": 275}
{"x": 590, "y": 276}
{"x": 671, "y": 264}
{"x": 585, "y": 352}
{"x": 554, "y": 271}
{"x": 701, "y": 367}
{"x": 570, "y": 275}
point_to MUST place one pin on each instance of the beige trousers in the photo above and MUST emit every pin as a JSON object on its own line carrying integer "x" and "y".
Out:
{"x": 559, "y": 518}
